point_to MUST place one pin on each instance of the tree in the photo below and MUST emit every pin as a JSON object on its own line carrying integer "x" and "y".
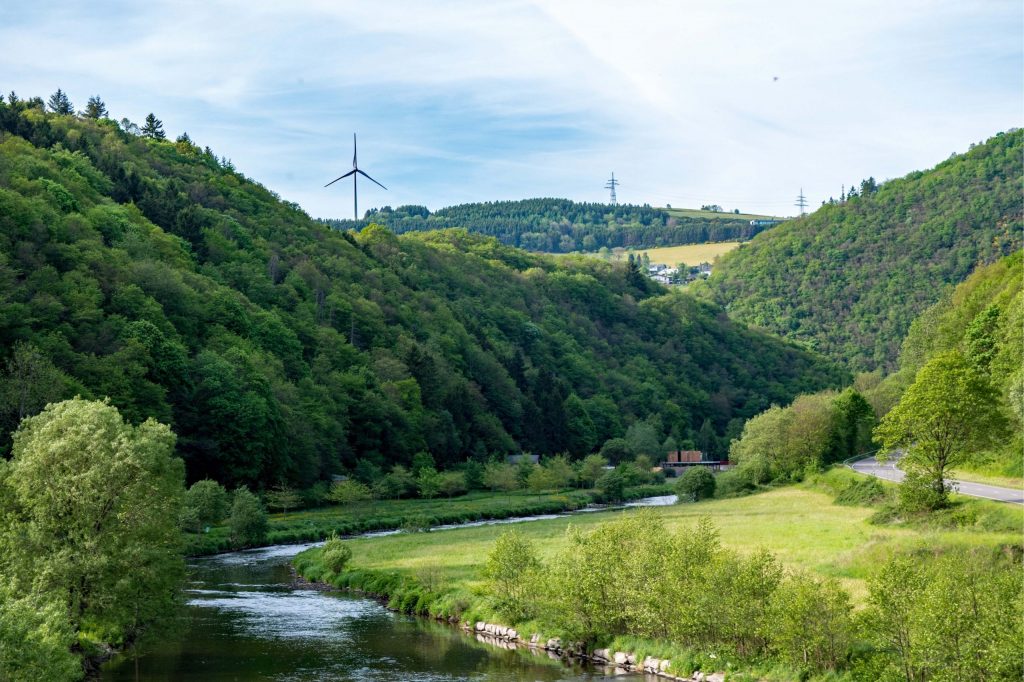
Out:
{"x": 206, "y": 502}
{"x": 507, "y": 571}
{"x": 581, "y": 432}
{"x": 501, "y": 476}
{"x": 282, "y": 497}
{"x": 947, "y": 413}
{"x": 611, "y": 485}
{"x": 347, "y": 492}
{"x": 696, "y": 483}
{"x": 153, "y": 128}
{"x": 89, "y": 509}
{"x": 248, "y": 520}
{"x": 95, "y": 108}
{"x": 451, "y": 483}
{"x": 812, "y": 624}
{"x": 591, "y": 469}
{"x": 29, "y": 383}
{"x": 60, "y": 104}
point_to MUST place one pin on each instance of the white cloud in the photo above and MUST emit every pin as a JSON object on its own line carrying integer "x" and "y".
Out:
{"x": 464, "y": 100}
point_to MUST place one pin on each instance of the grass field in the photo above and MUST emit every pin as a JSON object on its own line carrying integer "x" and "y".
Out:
{"x": 697, "y": 213}
{"x": 800, "y": 524}
{"x": 691, "y": 254}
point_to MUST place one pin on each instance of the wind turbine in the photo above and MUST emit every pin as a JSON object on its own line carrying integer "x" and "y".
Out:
{"x": 355, "y": 172}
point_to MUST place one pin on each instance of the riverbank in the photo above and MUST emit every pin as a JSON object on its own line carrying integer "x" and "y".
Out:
{"x": 439, "y": 575}
{"x": 312, "y": 525}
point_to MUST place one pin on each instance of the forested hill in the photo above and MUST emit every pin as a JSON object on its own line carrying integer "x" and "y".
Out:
{"x": 563, "y": 226}
{"x": 848, "y": 279}
{"x": 282, "y": 351}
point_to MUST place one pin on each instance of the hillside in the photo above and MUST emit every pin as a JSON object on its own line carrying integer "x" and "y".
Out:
{"x": 848, "y": 279}
{"x": 983, "y": 317}
{"x": 283, "y": 351}
{"x": 563, "y": 226}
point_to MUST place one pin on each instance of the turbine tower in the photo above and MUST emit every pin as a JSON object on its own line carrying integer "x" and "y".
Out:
{"x": 611, "y": 185}
{"x": 355, "y": 173}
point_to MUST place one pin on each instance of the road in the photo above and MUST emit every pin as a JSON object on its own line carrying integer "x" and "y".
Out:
{"x": 890, "y": 472}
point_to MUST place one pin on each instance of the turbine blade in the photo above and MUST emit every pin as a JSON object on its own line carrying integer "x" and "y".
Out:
{"x": 341, "y": 178}
{"x": 368, "y": 177}
{"x": 354, "y": 151}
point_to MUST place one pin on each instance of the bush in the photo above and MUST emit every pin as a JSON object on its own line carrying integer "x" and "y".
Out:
{"x": 861, "y": 492}
{"x": 347, "y": 492}
{"x": 508, "y": 571}
{"x": 248, "y": 519}
{"x": 733, "y": 483}
{"x": 611, "y": 486}
{"x": 335, "y": 554}
{"x": 451, "y": 483}
{"x": 812, "y": 623}
{"x": 205, "y": 503}
{"x": 696, "y": 483}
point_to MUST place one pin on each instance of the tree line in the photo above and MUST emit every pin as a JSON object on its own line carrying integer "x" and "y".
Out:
{"x": 562, "y": 225}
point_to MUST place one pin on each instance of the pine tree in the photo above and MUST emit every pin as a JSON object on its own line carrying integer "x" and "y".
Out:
{"x": 95, "y": 108}
{"x": 154, "y": 128}
{"x": 60, "y": 104}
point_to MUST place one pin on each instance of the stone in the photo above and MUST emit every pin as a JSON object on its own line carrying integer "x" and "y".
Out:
{"x": 663, "y": 666}
{"x": 602, "y": 654}
{"x": 631, "y": 659}
{"x": 715, "y": 677}
{"x": 621, "y": 658}
{"x": 511, "y": 634}
{"x": 480, "y": 625}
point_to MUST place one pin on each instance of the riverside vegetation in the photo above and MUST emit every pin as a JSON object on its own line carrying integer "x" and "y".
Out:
{"x": 778, "y": 585}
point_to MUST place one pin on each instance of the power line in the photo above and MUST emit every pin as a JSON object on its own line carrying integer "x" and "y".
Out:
{"x": 611, "y": 185}
{"x": 801, "y": 202}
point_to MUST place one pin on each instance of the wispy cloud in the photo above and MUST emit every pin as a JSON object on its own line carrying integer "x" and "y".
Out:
{"x": 464, "y": 101}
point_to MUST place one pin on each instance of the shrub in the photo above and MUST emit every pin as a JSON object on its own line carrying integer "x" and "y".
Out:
{"x": 696, "y": 483}
{"x": 335, "y": 554}
{"x": 812, "y": 624}
{"x": 611, "y": 486}
{"x": 508, "y": 571}
{"x": 732, "y": 484}
{"x": 248, "y": 519}
{"x": 862, "y": 492}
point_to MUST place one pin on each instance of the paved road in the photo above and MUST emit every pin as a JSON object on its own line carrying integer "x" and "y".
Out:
{"x": 890, "y": 472}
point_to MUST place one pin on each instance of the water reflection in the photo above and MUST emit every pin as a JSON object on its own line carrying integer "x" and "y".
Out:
{"x": 244, "y": 620}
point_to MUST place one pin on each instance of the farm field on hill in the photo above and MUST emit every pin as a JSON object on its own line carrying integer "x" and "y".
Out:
{"x": 691, "y": 254}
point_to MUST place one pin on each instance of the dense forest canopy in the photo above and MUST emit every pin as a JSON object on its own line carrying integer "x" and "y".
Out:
{"x": 281, "y": 351}
{"x": 848, "y": 279}
{"x": 564, "y": 226}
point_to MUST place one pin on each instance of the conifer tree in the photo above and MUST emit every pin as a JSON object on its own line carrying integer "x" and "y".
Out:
{"x": 153, "y": 127}
{"x": 60, "y": 104}
{"x": 95, "y": 108}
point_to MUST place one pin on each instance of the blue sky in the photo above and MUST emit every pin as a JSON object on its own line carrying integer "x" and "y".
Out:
{"x": 474, "y": 101}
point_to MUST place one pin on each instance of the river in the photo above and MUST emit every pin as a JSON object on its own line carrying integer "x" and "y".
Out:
{"x": 245, "y": 619}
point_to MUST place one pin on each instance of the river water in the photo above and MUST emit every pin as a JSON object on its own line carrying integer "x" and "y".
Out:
{"x": 245, "y": 619}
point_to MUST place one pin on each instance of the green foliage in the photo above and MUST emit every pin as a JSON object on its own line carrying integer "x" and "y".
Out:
{"x": 948, "y": 412}
{"x": 952, "y": 618}
{"x": 563, "y": 226}
{"x": 206, "y": 502}
{"x": 248, "y": 519}
{"x": 285, "y": 352}
{"x": 282, "y": 498}
{"x": 611, "y": 485}
{"x": 591, "y": 469}
{"x": 848, "y": 279}
{"x": 812, "y": 624}
{"x": 35, "y": 640}
{"x": 696, "y": 483}
{"x": 348, "y": 492}
{"x": 861, "y": 492}
{"x": 451, "y": 483}
{"x": 335, "y": 554}
{"x": 501, "y": 476}
{"x": 89, "y": 509}
{"x": 510, "y": 574}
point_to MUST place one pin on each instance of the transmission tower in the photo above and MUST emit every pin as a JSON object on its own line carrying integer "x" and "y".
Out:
{"x": 611, "y": 185}
{"x": 801, "y": 202}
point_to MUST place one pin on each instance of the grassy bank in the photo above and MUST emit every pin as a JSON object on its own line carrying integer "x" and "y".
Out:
{"x": 414, "y": 514}
{"x": 438, "y": 574}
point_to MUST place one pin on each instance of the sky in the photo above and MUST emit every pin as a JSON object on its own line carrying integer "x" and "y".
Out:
{"x": 736, "y": 103}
